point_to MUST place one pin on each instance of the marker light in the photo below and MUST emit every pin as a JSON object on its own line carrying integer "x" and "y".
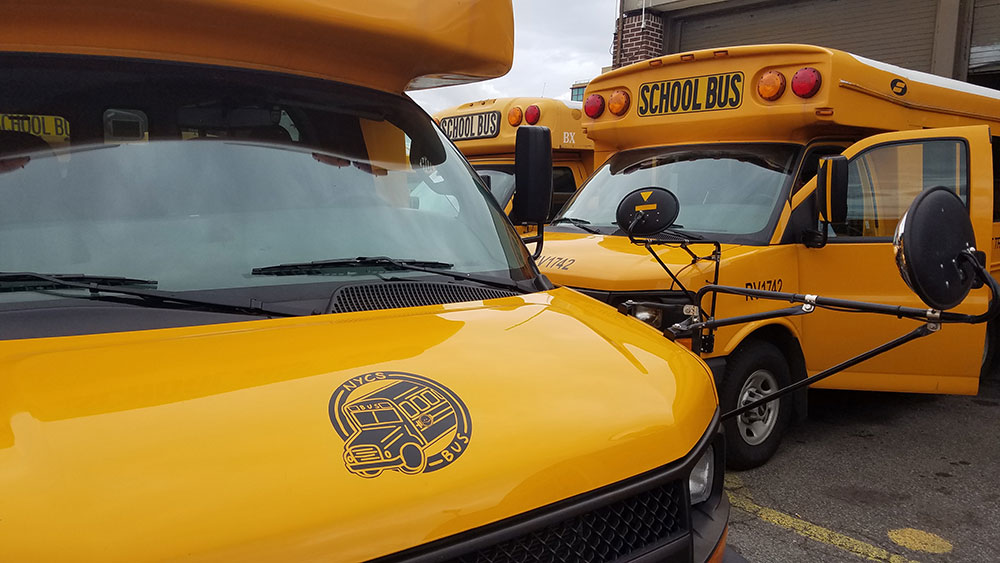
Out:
{"x": 619, "y": 102}
{"x": 771, "y": 85}
{"x": 806, "y": 82}
{"x": 532, "y": 114}
{"x": 514, "y": 116}
{"x": 594, "y": 106}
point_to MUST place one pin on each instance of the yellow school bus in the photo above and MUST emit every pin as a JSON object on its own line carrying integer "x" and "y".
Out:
{"x": 255, "y": 306}
{"x": 485, "y": 130}
{"x": 736, "y": 133}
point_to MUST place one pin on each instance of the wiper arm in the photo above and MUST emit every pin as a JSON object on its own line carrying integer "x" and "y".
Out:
{"x": 682, "y": 234}
{"x": 96, "y": 285}
{"x": 320, "y": 267}
{"x": 579, "y": 223}
{"x": 30, "y": 281}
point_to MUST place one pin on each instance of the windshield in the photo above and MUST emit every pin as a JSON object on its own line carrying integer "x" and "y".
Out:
{"x": 195, "y": 177}
{"x": 727, "y": 192}
{"x": 500, "y": 179}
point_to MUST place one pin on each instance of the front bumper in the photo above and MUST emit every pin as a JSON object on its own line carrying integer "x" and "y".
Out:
{"x": 643, "y": 519}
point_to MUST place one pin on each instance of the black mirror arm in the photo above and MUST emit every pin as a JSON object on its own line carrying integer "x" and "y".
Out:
{"x": 536, "y": 238}
{"x": 919, "y": 332}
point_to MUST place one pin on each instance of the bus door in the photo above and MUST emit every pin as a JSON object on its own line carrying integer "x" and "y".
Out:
{"x": 885, "y": 173}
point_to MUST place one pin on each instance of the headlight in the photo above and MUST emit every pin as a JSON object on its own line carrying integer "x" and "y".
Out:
{"x": 649, "y": 315}
{"x": 700, "y": 481}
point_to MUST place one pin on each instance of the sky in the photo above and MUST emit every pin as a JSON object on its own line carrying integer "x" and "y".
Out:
{"x": 556, "y": 43}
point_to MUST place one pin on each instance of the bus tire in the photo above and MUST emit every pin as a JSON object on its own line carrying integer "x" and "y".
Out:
{"x": 413, "y": 458}
{"x": 756, "y": 368}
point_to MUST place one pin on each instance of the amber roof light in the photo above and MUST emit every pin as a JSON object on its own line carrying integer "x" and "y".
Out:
{"x": 514, "y": 116}
{"x": 619, "y": 102}
{"x": 771, "y": 85}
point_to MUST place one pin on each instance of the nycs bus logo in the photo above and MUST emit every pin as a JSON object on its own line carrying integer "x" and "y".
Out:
{"x": 392, "y": 420}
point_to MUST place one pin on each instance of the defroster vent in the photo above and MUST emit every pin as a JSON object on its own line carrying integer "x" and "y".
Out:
{"x": 394, "y": 295}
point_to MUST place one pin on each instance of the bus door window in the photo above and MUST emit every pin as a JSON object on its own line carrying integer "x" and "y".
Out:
{"x": 883, "y": 180}
{"x": 563, "y": 188}
{"x": 810, "y": 164}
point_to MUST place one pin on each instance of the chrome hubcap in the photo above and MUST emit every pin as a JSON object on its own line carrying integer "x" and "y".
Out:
{"x": 757, "y": 424}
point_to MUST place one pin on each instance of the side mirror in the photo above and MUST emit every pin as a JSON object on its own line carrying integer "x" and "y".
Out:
{"x": 532, "y": 175}
{"x": 831, "y": 188}
{"x": 934, "y": 246}
{"x": 830, "y": 197}
{"x": 647, "y": 211}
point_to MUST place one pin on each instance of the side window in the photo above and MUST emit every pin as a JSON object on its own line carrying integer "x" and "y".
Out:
{"x": 883, "y": 180}
{"x": 810, "y": 163}
{"x": 563, "y": 188}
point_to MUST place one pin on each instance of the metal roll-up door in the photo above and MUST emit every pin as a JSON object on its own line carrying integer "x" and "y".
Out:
{"x": 984, "y": 56}
{"x": 899, "y": 32}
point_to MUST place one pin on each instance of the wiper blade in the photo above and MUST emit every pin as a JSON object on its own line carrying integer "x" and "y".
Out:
{"x": 116, "y": 285}
{"x": 30, "y": 281}
{"x": 579, "y": 223}
{"x": 682, "y": 234}
{"x": 320, "y": 267}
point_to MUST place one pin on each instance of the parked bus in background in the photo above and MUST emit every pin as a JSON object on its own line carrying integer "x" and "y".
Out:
{"x": 485, "y": 131}
{"x": 254, "y": 305}
{"x": 736, "y": 133}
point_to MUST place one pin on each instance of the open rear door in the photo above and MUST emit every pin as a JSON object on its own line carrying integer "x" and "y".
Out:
{"x": 885, "y": 173}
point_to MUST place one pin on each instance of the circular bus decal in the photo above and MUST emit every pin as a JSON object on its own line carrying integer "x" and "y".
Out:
{"x": 391, "y": 420}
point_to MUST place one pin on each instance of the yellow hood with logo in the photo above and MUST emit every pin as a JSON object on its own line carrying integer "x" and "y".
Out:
{"x": 230, "y": 441}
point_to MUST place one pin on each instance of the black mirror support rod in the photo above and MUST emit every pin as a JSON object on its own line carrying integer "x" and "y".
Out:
{"x": 919, "y": 332}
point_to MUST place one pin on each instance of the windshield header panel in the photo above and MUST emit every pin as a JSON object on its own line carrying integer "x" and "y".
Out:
{"x": 731, "y": 193}
{"x": 193, "y": 177}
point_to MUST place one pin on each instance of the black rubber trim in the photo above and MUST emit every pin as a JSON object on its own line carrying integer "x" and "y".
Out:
{"x": 483, "y": 537}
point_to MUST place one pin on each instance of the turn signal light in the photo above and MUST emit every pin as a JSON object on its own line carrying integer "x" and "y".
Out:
{"x": 806, "y": 82}
{"x": 514, "y": 116}
{"x": 771, "y": 85}
{"x": 619, "y": 102}
{"x": 594, "y": 106}
{"x": 532, "y": 114}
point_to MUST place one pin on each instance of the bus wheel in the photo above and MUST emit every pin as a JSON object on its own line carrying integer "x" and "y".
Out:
{"x": 413, "y": 459}
{"x": 755, "y": 370}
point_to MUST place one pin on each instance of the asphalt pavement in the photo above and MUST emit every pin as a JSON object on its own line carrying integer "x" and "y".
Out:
{"x": 879, "y": 477}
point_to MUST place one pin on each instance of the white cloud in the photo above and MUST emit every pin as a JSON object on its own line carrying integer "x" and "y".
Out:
{"x": 556, "y": 43}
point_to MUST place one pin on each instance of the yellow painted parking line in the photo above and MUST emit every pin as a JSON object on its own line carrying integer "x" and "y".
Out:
{"x": 740, "y": 498}
{"x": 919, "y": 540}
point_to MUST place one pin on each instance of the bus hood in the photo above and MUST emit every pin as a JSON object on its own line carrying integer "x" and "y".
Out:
{"x": 228, "y": 441}
{"x": 613, "y": 263}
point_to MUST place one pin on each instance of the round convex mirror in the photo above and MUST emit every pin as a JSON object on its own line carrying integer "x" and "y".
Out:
{"x": 647, "y": 211}
{"x": 929, "y": 240}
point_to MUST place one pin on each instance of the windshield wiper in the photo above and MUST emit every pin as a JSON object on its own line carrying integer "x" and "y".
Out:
{"x": 322, "y": 267}
{"x": 579, "y": 223}
{"x": 682, "y": 234}
{"x": 96, "y": 285}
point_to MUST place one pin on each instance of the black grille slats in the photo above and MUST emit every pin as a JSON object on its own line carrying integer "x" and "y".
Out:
{"x": 394, "y": 295}
{"x": 652, "y": 517}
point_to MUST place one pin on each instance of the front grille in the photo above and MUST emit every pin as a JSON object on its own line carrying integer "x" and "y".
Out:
{"x": 651, "y": 517}
{"x": 392, "y": 295}
{"x": 365, "y": 454}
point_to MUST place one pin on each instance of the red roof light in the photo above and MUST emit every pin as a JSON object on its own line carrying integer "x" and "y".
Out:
{"x": 594, "y": 106}
{"x": 532, "y": 114}
{"x": 806, "y": 82}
